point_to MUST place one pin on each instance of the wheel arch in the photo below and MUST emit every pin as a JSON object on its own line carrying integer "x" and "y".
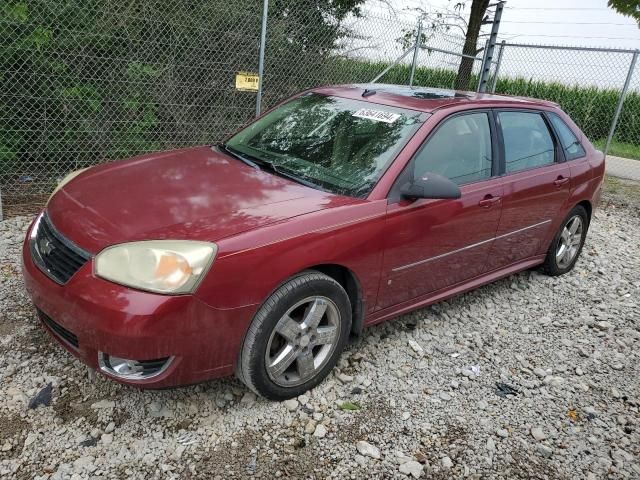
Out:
{"x": 586, "y": 204}
{"x": 349, "y": 281}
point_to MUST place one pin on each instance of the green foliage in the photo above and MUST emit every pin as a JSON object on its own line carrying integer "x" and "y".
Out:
{"x": 83, "y": 81}
{"x": 619, "y": 149}
{"x": 349, "y": 406}
{"x": 16, "y": 12}
{"x": 630, "y": 8}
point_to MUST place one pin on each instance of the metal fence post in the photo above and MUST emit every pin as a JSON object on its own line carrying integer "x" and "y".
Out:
{"x": 493, "y": 38}
{"x": 416, "y": 51}
{"x": 498, "y": 62}
{"x": 482, "y": 64}
{"x": 396, "y": 62}
{"x": 623, "y": 94}
{"x": 263, "y": 42}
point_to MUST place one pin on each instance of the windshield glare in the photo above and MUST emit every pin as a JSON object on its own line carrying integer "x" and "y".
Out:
{"x": 339, "y": 144}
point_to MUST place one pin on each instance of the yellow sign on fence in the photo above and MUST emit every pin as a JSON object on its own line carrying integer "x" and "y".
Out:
{"x": 247, "y": 82}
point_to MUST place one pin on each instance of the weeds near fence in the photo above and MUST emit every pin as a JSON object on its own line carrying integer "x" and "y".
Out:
{"x": 620, "y": 149}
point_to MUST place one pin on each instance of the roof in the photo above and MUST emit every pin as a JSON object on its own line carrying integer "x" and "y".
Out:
{"x": 427, "y": 99}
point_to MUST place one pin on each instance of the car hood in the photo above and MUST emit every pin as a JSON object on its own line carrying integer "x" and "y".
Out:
{"x": 196, "y": 193}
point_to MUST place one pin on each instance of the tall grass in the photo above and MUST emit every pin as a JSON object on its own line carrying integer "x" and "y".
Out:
{"x": 619, "y": 149}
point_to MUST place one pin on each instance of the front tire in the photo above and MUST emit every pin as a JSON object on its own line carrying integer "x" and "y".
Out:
{"x": 567, "y": 244}
{"x": 296, "y": 337}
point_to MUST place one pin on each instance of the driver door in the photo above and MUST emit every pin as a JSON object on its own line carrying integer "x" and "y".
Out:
{"x": 434, "y": 244}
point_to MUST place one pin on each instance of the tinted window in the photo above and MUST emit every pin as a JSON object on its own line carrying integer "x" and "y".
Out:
{"x": 527, "y": 141}
{"x": 570, "y": 143}
{"x": 459, "y": 150}
{"x": 339, "y": 144}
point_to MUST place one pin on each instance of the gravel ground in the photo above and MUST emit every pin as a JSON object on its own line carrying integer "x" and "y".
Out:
{"x": 531, "y": 377}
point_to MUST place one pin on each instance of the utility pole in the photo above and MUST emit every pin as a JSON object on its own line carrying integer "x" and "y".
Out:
{"x": 491, "y": 46}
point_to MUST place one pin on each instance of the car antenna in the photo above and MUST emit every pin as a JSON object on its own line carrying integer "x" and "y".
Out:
{"x": 368, "y": 93}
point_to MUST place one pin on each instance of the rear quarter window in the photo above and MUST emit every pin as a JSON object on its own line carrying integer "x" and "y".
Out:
{"x": 570, "y": 143}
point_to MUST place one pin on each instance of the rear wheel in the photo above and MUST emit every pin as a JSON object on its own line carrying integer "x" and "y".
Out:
{"x": 568, "y": 242}
{"x": 296, "y": 337}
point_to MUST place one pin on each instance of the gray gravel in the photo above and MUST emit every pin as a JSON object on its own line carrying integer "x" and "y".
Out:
{"x": 531, "y": 377}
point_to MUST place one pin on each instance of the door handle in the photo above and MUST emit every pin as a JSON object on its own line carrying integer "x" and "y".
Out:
{"x": 558, "y": 182}
{"x": 489, "y": 201}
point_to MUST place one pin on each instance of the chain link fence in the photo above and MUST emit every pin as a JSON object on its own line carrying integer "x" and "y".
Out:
{"x": 85, "y": 82}
{"x": 354, "y": 51}
{"x": 92, "y": 81}
{"x": 439, "y": 59}
{"x": 625, "y": 142}
{"x": 598, "y": 88}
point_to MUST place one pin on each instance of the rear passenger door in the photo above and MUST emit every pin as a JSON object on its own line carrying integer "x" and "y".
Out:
{"x": 536, "y": 185}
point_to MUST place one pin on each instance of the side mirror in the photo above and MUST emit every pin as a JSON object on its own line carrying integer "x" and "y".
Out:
{"x": 430, "y": 185}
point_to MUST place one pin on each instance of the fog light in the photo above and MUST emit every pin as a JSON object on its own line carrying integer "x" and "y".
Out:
{"x": 128, "y": 369}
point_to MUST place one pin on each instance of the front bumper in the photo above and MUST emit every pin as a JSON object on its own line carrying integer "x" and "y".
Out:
{"x": 121, "y": 322}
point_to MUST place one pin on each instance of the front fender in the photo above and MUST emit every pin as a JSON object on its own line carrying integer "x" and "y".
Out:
{"x": 251, "y": 265}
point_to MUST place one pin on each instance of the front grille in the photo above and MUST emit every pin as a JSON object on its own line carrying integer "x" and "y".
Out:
{"x": 59, "y": 330}
{"x": 56, "y": 256}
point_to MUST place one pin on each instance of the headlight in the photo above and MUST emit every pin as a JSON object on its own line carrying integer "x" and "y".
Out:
{"x": 66, "y": 180}
{"x": 162, "y": 266}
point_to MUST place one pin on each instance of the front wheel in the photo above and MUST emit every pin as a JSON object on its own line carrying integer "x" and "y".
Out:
{"x": 296, "y": 337}
{"x": 568, "y": 242}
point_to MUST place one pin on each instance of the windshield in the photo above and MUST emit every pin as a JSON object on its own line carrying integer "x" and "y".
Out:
{"x": 340, "y": 145}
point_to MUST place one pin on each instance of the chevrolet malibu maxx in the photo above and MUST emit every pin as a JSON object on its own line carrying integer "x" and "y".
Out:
{"x": 338, "y": 209}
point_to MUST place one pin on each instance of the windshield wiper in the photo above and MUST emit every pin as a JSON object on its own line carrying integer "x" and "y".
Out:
{"x": 283, "y": 173}
{"x": 261, "y": 164}
{"x": 238, "y": 155}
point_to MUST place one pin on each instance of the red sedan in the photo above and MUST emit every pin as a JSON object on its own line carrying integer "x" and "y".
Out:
{"x": 339, "y": 209}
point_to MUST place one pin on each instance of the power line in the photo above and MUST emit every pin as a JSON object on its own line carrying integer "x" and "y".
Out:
{"x": 573, "y": 23}
{"x": 566, "y": 36}
{"x": 557, "y": 8}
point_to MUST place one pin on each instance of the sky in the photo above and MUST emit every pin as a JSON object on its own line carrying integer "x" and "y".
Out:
{"x": 586, "y": 23}
{"x": 567, "y": 22}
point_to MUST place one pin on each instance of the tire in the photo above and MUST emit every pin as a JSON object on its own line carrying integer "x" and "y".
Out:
{"x": 567, "y": 244}
{"x": 296, "y": 337}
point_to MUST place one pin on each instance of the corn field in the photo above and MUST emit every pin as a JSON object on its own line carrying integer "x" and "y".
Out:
{"x": 591, "y": 108}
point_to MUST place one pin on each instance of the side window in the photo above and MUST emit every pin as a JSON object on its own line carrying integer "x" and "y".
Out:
{"x": 527, "y": 141}
{"x": 570, "y": 144}
{"x": 460, "y": 150}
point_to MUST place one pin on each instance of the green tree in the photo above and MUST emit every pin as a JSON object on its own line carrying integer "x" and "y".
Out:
{"x": 83, "y": 81}
{"x": 476, "y": 16}
{"x": 453, "y": 18}
{"x": 630, "y": 8}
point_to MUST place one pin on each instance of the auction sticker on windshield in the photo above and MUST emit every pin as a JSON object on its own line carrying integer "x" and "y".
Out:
{"x": 377, "y": 115}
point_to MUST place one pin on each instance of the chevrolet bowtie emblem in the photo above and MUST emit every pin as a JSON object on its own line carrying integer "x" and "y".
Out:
{"x": 45, "y": 246}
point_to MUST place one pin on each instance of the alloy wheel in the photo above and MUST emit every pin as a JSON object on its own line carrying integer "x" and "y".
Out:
{"x": 303, "y": 341}
{"x": 570, "y": 240}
